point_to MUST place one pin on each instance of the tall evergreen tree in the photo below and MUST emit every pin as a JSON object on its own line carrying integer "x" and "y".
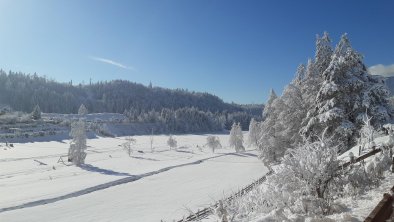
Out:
{"x": 268, "y": 104}
{"x": 254, "y": 133}
{"x": 323, "y": 53}
{"x": 348, "y": 91}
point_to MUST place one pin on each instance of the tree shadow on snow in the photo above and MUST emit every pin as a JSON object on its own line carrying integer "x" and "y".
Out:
{"x": 244, "y": 154}
{"x": 143, "y": 158}
{"x": 95, "y": 169}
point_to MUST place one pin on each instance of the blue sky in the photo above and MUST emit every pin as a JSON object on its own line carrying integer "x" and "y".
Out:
{"x": 236, "y": 50}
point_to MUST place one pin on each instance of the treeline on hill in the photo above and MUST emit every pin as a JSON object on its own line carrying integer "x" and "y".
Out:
{"x": 189, "y": 119}
{"x": 141, "y": 103}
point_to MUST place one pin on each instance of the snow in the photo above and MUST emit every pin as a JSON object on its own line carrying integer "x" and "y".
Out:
{"x": 115, "y": 187}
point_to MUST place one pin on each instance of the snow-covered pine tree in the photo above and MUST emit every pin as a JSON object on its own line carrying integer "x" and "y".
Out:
{"x": 213, "y": 142}
{"x": 268, "y": 141}
{"x": 291, "y": 112}
{"x": 82, "y": 110}
{"x": 236, "y": 138}
{"x": 36, "y": 114}
{"x": 76, "y": 152}
{"x": 314, "y": 71}
{"x": 300, "y": 75}
{"x": 268, "y": 104}
{"x": 254, "y": 133}
{"x": 323, "y": 53}
{"x": 348, "y": 91}
{"x": 171, "y": 142}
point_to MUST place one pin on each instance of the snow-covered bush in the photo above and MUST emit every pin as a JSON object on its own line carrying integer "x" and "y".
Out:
{"x": 76, "y": 152}
{"x": 363, "y": 176}
{"x": 213, "y": 142}
{"x": 307, "y": 180}
{"x": 171, "y": 142}
{"x": 221, "y": 212}
{"x": 128, "y": 145}
{"x": 236, "y": 138}
{"x": 82, "y": 110}
{"x": 36, "y": 114}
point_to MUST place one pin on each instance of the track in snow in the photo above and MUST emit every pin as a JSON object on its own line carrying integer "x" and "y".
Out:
{"x": 103, "y": 186}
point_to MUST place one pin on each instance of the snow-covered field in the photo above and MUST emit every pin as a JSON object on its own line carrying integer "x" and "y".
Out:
{"x": 115, "y": 187}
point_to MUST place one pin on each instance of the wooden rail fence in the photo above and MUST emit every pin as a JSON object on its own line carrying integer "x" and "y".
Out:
{"x": 203, "y": 213}
{"x": 384, "y": 210}
{"x": 362, "y": 157}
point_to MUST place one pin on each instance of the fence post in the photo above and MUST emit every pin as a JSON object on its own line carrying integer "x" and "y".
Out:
{"x": 392, "y": 164}
{"x": 352, "y": 159}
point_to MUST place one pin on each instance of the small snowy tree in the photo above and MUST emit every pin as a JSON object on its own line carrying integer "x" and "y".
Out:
{"x": 76, "y": 152}
{"x": 82, "y": 110}
{"x": 213, "y": 142}
{"x": 254, "y": 133}
{"x": 367, "y": 132}
{"x": 236, "y": 138}
{"x": 171, "y": 142}
{"x": 128, "y": 145}
{"x": 36, "y": 114}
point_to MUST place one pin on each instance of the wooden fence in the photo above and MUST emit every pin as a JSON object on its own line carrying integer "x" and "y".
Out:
{"x": 384, "y": 210}
{"x": 362, "y": 157}
{"x": 201, "y": 214}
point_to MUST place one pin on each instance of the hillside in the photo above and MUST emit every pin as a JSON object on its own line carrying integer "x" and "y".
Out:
{"x": 23, "y": 91}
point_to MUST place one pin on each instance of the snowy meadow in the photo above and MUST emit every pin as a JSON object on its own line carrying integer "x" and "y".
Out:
{"x": 143, "y": 186}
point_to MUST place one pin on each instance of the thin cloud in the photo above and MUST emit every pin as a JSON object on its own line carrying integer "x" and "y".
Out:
{"x": 382, "y": 70}
{"x": 112, "y": 62}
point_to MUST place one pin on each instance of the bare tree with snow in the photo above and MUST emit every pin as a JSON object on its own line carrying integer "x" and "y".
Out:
{"x": 367, "y": 133}
{"x": 213, "y": 142}
{"x": 128, "y": 145}
{"x": 152, "y": 149}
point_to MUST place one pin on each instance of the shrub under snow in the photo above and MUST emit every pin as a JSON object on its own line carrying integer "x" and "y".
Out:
{"x": 171, "y": 142}
{"x": 76, "y": 153}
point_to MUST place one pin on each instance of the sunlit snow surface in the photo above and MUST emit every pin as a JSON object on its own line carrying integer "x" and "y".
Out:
{"x": 115, "y": 187}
